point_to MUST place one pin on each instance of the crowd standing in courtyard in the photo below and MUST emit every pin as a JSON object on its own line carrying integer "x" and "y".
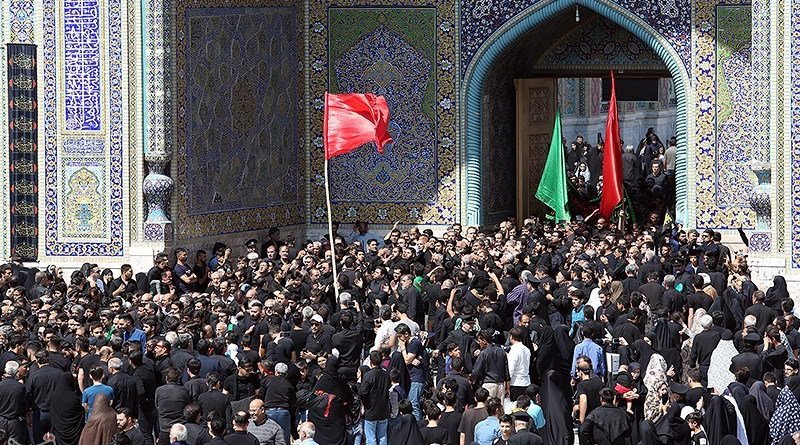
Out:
{"x": 528, "y": 334}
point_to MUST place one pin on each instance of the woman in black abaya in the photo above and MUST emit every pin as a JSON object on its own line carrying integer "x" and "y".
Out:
{"x": 719, "y": 420}
{"x": 565, "y": 346}
{"x": 777, "y": 293}
{"x": 666, "y": 340}
{"x": 755, "y": 424}
{"x": 556, "y": 403}
{"x": 396, "y": 361}
{"x": 67, "y": 415}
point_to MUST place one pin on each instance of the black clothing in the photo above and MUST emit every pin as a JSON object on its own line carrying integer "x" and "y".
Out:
{"x": 328, "y": 414}
{"x": 435, "y": 434}
{"x": 491, "y": 366}
{"x": 606, "y": 425}
{"x": 214, "y": 400}
{"x": 558, "y": 415}
{"x": 763, "y": 314}
{"x": 349, "y": 343}
{"x": 136, "y": 436}
{"x": 406, "y": 432}
{"x": 125, "y": 391}
{"x": 170, "y": 401}
{"x": 373, "y": 390}
{"x": 277, "y": 393}
{"x": 654, "y": 293}
{"x": 239, "y": 388}
{"x": 525, "y": 438}
{"x": 591, "y": 389}
{"x": 67, "y": 415}
{"x": 748, "y": 359}
{"x": 241, "y": 438}
{"x": 41, "y": 386}
{"x": 703, "y": 346}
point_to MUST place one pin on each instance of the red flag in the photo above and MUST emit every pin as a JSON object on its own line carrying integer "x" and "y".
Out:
{"x": 612, "y": 160}
{"x": 352, "y": 120}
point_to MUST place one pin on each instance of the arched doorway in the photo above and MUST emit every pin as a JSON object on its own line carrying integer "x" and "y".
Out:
{"x": 526, "y": 23}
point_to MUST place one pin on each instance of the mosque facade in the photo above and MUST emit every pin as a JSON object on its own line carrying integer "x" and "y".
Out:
{"x": 137, "y": 126}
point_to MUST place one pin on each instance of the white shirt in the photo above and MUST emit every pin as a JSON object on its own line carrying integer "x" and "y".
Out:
{"x": 383, "y": 334}
{"x": 519, "y": 361}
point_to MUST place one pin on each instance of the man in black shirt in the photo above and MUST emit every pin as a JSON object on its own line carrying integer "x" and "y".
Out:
{"x": 214, "y": 399}
{"x": 373, "y": 392}
{"x": 277, "y": 346}
{"x": 244, "y": 383}
{"x": 240, "y": 436}
{"x": 144, "y": 374}
{"x": 13, "y": 405}
{"x": 40, "y": 386}
{"x": 763, "y": 314}
{"x": 279, "y": 399}
{"x": 217, "y": 426}
{"x": 349, "y": 343}
{"x": 703, "y": 346}
{"x": 588, "y": 388}
{"x": 124, "y": 386}
{"x": 171, "y": 399}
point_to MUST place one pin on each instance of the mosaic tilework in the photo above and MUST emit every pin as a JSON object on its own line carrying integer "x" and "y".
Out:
{"x": 598, "y": 43}
{"x": 282, "y": 206}
{"x": 84, "y": 213}
{"x": 21, "y": 28}
{"x": 393, "y": 54}
{"x": 444, "y": 109}
{"x": 794, "y": 20}
{"x": 759, "y": 81}
{"x": 241, "y": 73}
{"x": 568, "y": 96}
{"x": 704, "y": 70}
{"x": 134, "y": 56}
{"x": 733, "y": 110}
{"x": 479, "y": 20}
{"x": 57, "y": 241}
{"x": 158, "y": 76}
{"x": 82, "y": 61}
{"x": 760, "y": 242}
{"x": 499, "y": 142}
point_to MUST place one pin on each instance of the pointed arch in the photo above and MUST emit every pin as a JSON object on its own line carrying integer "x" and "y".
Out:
{"x": 490, "y": 51}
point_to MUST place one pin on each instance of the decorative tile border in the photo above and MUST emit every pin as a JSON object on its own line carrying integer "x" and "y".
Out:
{"x": 708, "y": 213}
{"x": 21, "y": 21}
{"x": 55, "y": 244}
{"x": 444, "y": 211}
{"x": 794, "y": 51}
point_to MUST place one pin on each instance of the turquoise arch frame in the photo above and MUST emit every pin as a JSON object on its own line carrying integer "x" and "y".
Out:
{"x": 527, "y": 20}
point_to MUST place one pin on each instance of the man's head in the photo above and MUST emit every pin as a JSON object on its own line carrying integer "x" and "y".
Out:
{"x": 306, "y": 430}
{"x": 177, "y": 433}
{"x": 506, "y": 425}
{"x": 257, "y": 411}
{"x": 790, "y": 367}
{"x": 126, "y": 419}
{"x": 240, "y": 420}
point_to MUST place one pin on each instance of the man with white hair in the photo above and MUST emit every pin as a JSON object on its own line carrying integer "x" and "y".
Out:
{"x": 306, "y": 430}
{"x": 177, "y": 434}
{"x": 703, "y": 346}
{"x": 13, "y": 404}
{"x": 124, "y": 386}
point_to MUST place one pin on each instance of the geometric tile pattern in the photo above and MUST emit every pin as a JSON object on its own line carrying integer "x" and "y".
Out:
{"x": 21, "y": 21}
{"x": 440, "y": 95}
{"x": 733, "y": 110}
{"x": 500, "y": 140}
{"x": 393, "y": 54}
{"x": 241, "y": 109}
{"x": 254, "y": 180}
{"x": 479, "y": 19}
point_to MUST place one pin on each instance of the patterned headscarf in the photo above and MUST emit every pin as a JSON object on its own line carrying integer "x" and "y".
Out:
{"x": 654, "y": 379}
{"x": 786, "y": 418}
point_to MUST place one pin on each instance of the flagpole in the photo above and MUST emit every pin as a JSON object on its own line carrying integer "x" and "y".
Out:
{"x": 330, "y": 233}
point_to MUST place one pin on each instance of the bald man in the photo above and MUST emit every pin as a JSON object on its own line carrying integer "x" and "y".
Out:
{"x": 266, "y": 430}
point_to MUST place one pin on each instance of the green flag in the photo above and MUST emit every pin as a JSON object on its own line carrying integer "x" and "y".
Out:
{"x": 553, "y": 185}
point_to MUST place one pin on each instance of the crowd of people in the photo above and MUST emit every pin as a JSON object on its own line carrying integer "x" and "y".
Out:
{"x": 648, "y": 173}
{"x": 528, "y": 334}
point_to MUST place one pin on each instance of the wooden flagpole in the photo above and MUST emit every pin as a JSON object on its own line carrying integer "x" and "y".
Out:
{"x": 330, "y": 232}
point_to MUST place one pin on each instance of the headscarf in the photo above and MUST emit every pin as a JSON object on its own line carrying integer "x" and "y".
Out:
{"x": 755, "y": 423}
{"x": 777, "y": 293}
{"x": 331, "y": 382}
{"x": 406, "y": 432}
{"x": 786, "y": 418}
{"x": 565, "y": 347}
{"x": 67, "y": 415}
{"x": 765, "y": 404}
{"x": 645, "y": 352}
{"x": 102, "y": 424}
{"x": 719, "y": 373}
{"x": 655, "y": 378}
{"x": 558, "y": 416}
{"x": 793, "y": 383}
{"x": 720, "y": 419}
{"x": 616, "y": 290}
{"x": 730, "y": 439}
